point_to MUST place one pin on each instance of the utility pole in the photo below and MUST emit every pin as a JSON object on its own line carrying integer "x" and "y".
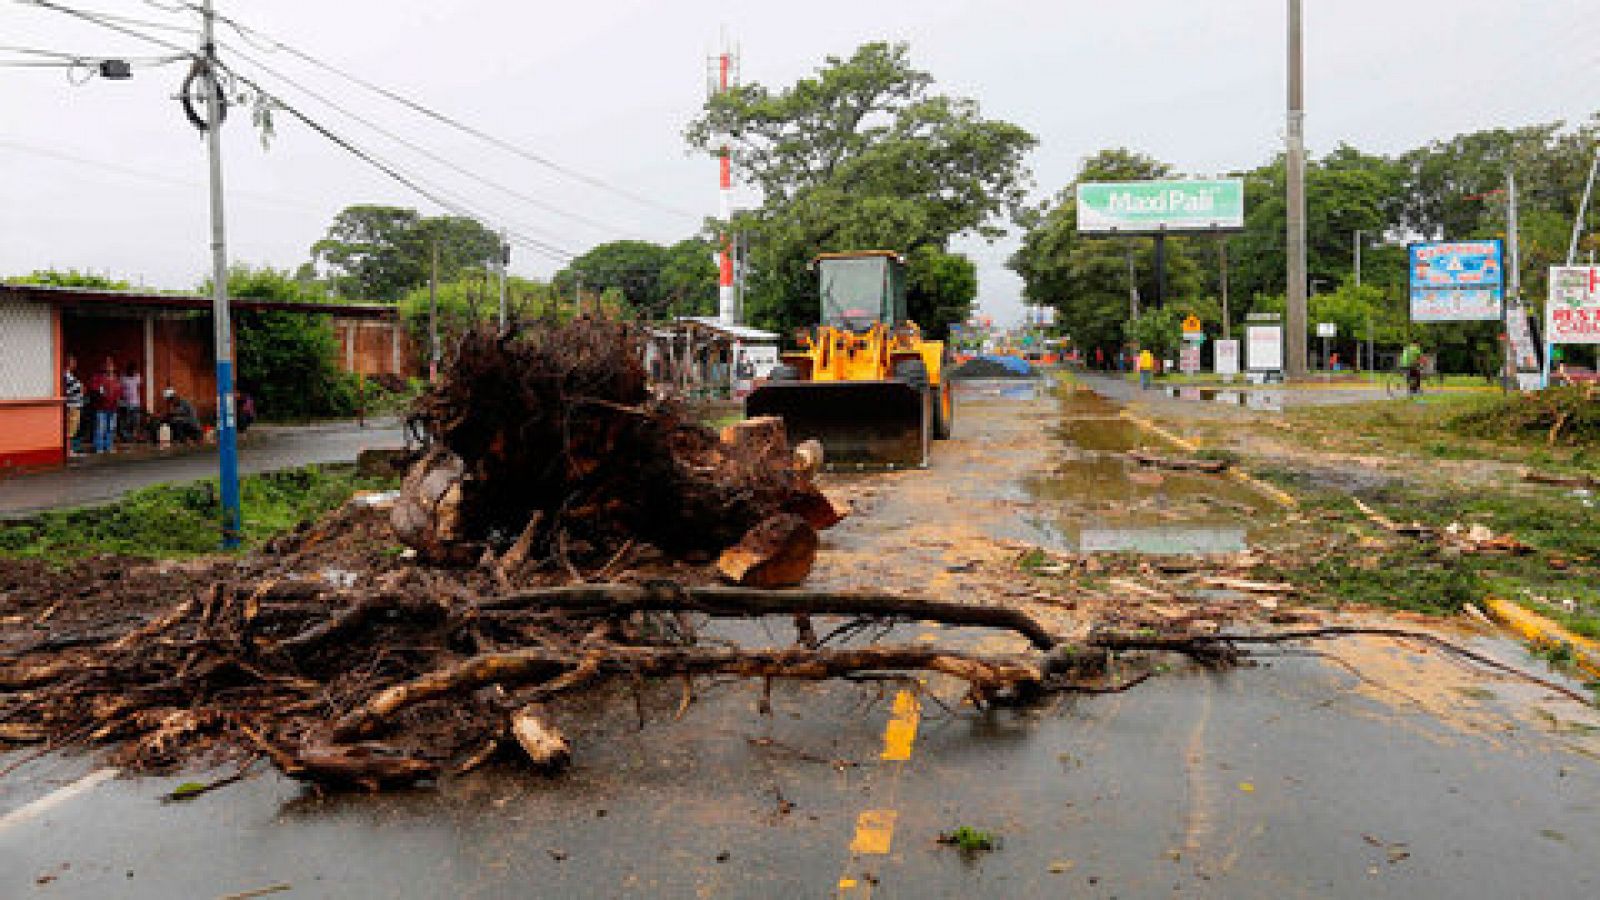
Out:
{"x": 433, "y": 317}
{"x": 1133, "y": 287}
{"x": 502, "y": 255}
{"x": 1295, "y": 159}
{"x": 1358, "y": 257}
{"x": 1222, "y": 252}
{"x": 1583, "y": 208}
{"x": 222, "y": 327}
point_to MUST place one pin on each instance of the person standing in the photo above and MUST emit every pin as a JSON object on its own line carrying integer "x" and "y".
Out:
{"x": 72, "y": 390}
{"x": 105, "y": 395}
{"x": 1411, "y": 362}
{"x": 130, "y": 407}
{"x": 1147, "y": 369}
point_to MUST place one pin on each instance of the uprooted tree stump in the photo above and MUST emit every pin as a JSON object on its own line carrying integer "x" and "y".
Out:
{"x": 551, "y": 439}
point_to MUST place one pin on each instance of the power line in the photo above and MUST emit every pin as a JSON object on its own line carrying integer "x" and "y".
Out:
{"x": 457, "y": 124}
{"x": 117, "y": 23}
{"x": 423, "y": 151}
{"x": 434, "y": 194}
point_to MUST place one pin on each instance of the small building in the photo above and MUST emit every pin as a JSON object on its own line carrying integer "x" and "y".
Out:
{"x": 700, "y": 357}
{"x": 169, "y": 338}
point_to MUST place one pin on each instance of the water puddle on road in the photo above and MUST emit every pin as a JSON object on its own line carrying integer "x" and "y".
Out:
{"x": 1095, "y": 499}
{"x": 1259, "y": 399}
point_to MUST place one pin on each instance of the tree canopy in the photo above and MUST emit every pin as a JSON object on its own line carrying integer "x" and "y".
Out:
{"x": 863, "y": 155}
{"x": 653, "y": 280}
{"x": 380, "y": 252}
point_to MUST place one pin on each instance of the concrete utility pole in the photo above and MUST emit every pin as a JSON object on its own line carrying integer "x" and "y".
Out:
{"x": 1295, "y": 321}
{"x": 1583, "y": 207}
{"x": 1133, "y": 286}
{"x": 222, "y": 327}
{"x": 433, "y": 317}
{"x": 1358, "y": 257}
{"x": 502, "y": 255}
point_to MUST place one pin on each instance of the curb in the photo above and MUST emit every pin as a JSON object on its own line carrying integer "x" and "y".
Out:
{"x": 1542, "y": 632}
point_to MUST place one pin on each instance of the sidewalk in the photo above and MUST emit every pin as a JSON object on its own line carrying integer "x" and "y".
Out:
{"x": 94, "y": 480}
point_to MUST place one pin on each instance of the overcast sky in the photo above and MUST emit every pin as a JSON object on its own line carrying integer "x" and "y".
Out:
{"x": 109, "y": 176}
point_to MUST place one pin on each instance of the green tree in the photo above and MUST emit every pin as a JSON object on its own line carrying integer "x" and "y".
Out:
{"x": 379, "y": 252}
{"x": 72, "y": 278}
{"x": 287, "y": 360}
{"x": 471, "y": 298}
{"x": 863, "y": 155}
{"x": 940, "y": 289}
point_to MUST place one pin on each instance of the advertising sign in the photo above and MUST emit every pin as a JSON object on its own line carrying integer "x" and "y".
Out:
{"x": 1226, "y": 358}
{"x": 1456, "y": 281}
{"x": 1327, "y": 330}
{"x": 1145, "y": 207}
{"x": 1573, "y": 314}
{"x": 1523, "y": 353}
{"x": 1189, "y": 358}
{"x": 1264, "y": 346}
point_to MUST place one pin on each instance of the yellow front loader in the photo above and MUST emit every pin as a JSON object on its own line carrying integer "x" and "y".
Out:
{"x": 863, "y": 382}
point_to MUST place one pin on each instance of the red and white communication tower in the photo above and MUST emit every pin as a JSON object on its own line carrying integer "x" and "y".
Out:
{"x": 726, "y": 74}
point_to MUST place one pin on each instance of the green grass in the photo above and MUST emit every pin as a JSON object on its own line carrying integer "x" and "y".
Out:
{"x": 1334, "y": 567}
{"x": 175, "y": 521}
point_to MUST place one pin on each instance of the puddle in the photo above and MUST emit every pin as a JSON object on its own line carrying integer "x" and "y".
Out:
{"x": 1009, "y": 388}
{"x": 1094, "y": 499}
{"x": 1263, "y": 400}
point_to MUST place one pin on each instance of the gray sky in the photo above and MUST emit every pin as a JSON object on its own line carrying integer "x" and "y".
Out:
{"x": 109, "y": 176}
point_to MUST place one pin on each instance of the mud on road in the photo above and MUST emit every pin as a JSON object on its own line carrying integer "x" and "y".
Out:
{"x": 1368, "y": 768}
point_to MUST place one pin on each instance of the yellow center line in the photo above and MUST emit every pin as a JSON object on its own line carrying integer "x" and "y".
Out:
{"x": 1283, "y": 498}
{"x": 874, "y": 834}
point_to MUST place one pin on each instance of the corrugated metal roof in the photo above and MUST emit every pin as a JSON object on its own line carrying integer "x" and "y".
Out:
{"x": 743, "y": 332}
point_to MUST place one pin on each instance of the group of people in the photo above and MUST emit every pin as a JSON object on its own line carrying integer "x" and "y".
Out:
{"x": 115, "y": 403}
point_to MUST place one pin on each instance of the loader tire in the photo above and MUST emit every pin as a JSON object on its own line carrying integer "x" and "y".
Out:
{"x": 944, "y": 413}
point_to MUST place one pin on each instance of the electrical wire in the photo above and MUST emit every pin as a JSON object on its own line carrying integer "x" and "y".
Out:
{"x": 457, "y": 124}
{"x": 439, "y": 196}
{"x": 423, "y": 151}
{"x": 107, "y": 20}
{"x": 436, "y": 195}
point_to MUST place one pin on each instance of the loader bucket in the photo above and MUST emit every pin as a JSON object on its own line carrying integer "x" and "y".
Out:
{"x": 861, "y": 424}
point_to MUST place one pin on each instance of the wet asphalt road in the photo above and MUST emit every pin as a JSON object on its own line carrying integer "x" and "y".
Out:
{"x": 1403, "y": 776}
{"x": 266, "y": 448}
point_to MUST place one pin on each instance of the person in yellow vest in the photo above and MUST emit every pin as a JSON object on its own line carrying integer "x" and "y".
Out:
{"x": 1147, "y": 369}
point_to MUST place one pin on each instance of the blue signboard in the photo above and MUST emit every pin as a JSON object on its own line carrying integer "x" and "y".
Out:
{"x": 1456, "y": 281}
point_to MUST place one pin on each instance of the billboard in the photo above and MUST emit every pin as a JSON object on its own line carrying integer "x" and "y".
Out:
{"x": 1226, "y": 357}
{"x": 1147, "y": 207}
{"x": 1263, "y": 345}
{"x": 1456, "y": 281}
{"x": 1573, "y": 314}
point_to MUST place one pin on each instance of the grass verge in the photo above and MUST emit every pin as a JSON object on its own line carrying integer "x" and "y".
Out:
{"x": 171, "y": 521}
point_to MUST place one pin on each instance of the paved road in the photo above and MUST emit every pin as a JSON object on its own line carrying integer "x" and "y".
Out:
{"x": 1416, "y": 778}
{"x": 266, "y": 448}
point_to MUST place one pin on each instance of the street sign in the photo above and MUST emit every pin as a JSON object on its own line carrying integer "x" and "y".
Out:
{"x": 1456, "y": 281}
{"x": 1264, "y": 344}
{"x": 1327, "y": 330}
{"x": 1192, "y": 325}
{"x": 1573, "y": 314}
{"x": 1148, "y": 207}
{"x": 1189, "y": 359}
{"x": 1225, "y": 357}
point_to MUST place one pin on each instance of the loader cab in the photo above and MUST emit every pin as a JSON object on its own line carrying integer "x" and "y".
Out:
{"x": 860, "y": 290}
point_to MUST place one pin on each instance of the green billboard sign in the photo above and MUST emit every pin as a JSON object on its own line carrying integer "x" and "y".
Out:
{"x": 1144, "y": 207}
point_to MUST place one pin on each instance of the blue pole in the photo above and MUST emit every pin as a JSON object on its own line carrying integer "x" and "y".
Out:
{"x": 227, "y": 433}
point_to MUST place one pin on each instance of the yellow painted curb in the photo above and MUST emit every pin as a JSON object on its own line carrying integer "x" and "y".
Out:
{"x": 1283, "y": 498}
{"x": 1542, "y": 632}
